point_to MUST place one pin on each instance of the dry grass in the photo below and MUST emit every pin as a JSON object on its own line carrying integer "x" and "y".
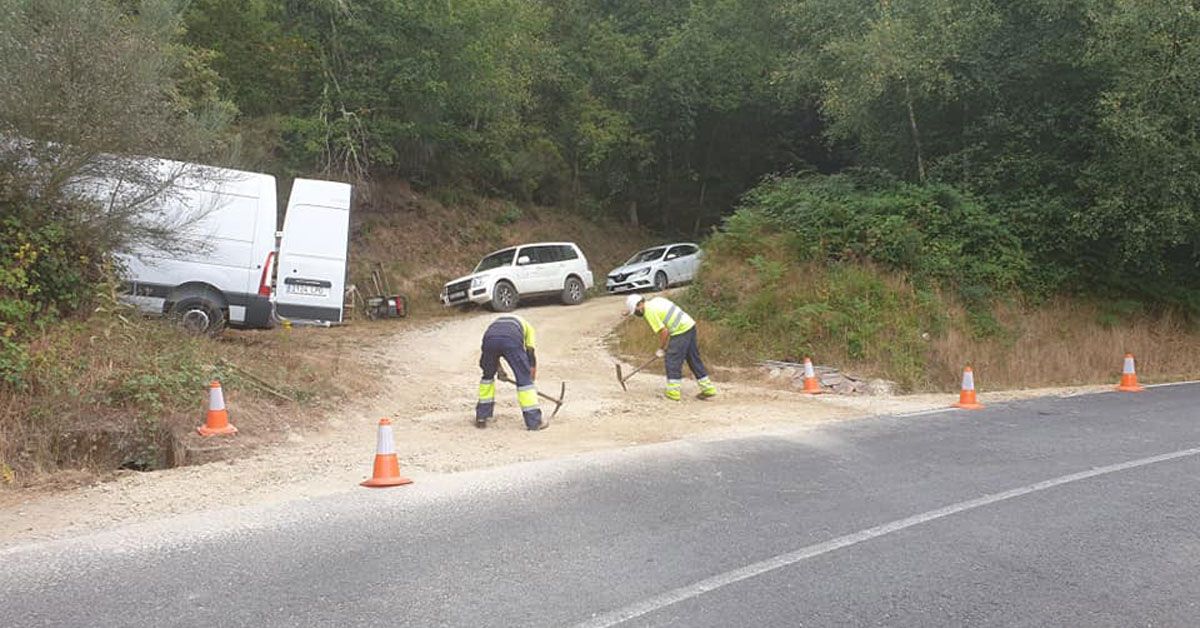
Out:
{"x": 108, "y": 394}
{"x": 876, "y": 324}
{"x": 1066, "y": 342}
{"x": 423, "y": 242}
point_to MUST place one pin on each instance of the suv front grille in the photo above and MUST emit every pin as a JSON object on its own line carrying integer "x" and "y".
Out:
{"x": 458, "y": 287}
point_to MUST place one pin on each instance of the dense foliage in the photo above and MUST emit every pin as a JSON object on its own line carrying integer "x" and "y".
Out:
{"x": 81, "y": 81}
{"x": 933, "y": 233}
{"x": 1074, "y": 123}
{"x": 1066, "y": 131}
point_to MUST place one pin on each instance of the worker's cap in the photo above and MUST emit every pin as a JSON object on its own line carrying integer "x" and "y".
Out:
{"x": 631, "y": 303}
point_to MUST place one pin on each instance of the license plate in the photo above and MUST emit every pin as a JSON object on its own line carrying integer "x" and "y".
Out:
{"x": 307, "y": 290}
{"x": 457, "y": 295}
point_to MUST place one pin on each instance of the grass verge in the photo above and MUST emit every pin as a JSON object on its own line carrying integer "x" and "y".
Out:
{"x": 877, "y": 324}
{"x": 116, "y": 392}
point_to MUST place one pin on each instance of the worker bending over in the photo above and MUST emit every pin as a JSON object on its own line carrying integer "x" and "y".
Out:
{"x": 676, "y": 341}
{"x": 512, "y": 338}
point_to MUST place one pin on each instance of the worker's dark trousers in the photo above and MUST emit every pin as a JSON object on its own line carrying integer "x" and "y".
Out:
{"x": 512, "y": 348}
{"x": 680, "y": 348}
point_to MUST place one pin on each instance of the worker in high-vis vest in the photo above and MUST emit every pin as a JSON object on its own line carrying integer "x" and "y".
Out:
{"x": 512, "y": 338}
{"x": 676, "y": 342}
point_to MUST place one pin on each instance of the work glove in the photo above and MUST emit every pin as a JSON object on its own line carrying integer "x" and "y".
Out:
{"x": 660, "y": 353}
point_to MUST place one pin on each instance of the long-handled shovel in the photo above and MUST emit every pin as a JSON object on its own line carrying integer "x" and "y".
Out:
{"x": 625, "y": 378}
{"x": 562, "y": 393}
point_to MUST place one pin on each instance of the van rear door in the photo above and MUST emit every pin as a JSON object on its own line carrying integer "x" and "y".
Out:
{"x": 312, "y": 251}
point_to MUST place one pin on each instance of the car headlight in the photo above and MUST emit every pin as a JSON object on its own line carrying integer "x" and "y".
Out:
{"x": 644, "y": 271}
{"x": 476, "y": 282}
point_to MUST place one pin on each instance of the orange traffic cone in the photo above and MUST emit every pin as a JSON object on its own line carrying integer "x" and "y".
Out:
{"x": 966, "y": 398}
{"x": 387, "y": 466}
{"x": 217, "y": 422}
{"x": 812, "y": 386}
{"x": 1129, "y": 381}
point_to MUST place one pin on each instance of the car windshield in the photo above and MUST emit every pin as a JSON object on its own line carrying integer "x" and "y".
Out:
{"x": 496, "y": 260}
{"x": 649, "y": 255}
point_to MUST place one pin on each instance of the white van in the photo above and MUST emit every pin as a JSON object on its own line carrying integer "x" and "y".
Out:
{"x": 227, "y": 275}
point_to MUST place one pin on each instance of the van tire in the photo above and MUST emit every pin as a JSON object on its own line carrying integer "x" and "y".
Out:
{"x": 660, "y": 281}
{"x": 198, "y": 310}
{"x": 504, "y": 297}
{"x": 573, "y": 291}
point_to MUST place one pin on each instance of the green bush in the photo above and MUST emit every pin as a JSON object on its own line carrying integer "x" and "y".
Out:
{"x": 511, "y": 214}
{"x": 850, "y": 314}
{"x": 46, "y": 271}
{"x": 935, "y": 233}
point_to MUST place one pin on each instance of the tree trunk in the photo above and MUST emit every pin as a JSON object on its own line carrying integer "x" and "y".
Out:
{"x": 633, "y": 217}
{"x": 916, "y": 135}
{"x": 575, "y": 183}
{"x": 666, "y": 206}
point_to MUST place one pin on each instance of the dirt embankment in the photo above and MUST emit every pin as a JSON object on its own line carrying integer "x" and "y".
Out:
{"x": 430, "y": 372}
{"x": 423, "y": 240}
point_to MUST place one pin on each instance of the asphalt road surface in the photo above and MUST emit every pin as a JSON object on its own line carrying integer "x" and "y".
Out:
{"x": 1069, "y": 512}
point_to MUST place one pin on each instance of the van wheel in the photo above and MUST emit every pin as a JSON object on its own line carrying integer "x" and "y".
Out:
{"x": 572, "y": 293}
{"x": 660, "y": 281}
{"x": 504, "y": 297}
{"x": 198, "y": 311}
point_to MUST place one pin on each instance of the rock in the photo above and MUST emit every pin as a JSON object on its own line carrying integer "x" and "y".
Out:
{"x": 846, "y": 387}
{"x": 881, "y": 388}
{"x": 834, "y": 379}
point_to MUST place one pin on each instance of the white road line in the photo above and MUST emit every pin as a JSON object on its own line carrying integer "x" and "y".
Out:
{"x": 905, "y": 415}
{"x": 1187, "y": 383}
{"x": 696, "y": 589}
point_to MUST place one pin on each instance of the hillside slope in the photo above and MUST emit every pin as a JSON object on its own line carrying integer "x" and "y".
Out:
{"x": 422, "y": 240}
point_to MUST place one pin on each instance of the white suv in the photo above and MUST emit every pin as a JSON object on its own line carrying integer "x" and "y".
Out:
{"x": 505, "y": 277}
{"x": 657, "y": 268}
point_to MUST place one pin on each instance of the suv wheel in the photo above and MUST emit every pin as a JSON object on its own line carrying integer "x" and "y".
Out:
{"x": 504, "y": 297}
{"x": 660, "y": 281}
{"x": 572, "y": 293}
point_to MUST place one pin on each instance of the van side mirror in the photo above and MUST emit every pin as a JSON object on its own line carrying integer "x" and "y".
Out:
{"x": 523, "y": 260}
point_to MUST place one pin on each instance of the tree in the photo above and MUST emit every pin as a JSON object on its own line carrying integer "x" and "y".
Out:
{"x": 82, "y": 82}
{"x": 879, "y": 63}
{"x": 87, "y": 88}
{"x": 1143, "y": 183}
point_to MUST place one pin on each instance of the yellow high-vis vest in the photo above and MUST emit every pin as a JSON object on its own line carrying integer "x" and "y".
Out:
{"x": 660, "y": 313}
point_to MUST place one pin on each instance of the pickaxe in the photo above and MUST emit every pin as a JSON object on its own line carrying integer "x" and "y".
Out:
{"x": 635, "y": 371}
{"x": 562, "y": 393}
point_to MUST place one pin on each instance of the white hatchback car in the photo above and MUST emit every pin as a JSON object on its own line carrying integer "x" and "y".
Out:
{"x": 658, "y": 268}
{"x": 503, "y": 278}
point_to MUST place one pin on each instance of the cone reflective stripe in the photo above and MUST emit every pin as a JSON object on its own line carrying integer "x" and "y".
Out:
{"x": 216, "y": 423}
{"x": 387, "y": 466}
{"x": 811, "y": 385}
{"x": 966, "y": 398}
{"x": 1129, "y": 380}
{"x": 385, "y": 444}
{"x": 216, "y": 397}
